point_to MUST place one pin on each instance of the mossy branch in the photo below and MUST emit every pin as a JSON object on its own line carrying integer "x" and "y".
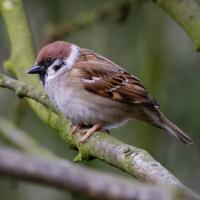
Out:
{"x": 135, "y": 161}
{"x": 76, "y": 179}
{"x": 26, "y": 167}
{"x": 187, "y": 14}
{"x": 24, "y": 90}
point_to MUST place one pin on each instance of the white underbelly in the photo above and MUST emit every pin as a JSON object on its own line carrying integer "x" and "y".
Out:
{"x": 82, "y": 107}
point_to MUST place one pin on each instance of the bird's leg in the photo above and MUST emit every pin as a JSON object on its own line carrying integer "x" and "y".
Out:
{"x": 75, "y": 128}
{"x": 89, "y": 132}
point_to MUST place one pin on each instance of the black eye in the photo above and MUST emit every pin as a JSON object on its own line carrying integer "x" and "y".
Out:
{"x": 57, "y": 67}
{"x": 48, "y": 60}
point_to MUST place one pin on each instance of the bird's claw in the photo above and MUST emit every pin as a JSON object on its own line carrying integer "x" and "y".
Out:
{"x": 89, "y": 133}
{"x": 75, "y": 128}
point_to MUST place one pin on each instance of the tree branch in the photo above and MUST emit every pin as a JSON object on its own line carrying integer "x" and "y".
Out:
{"x": 24, "y": 90}
{"x": 128, "y": 158}
{"x": 21, "y": 164}
{"x": 29, "y": 145}
{"x": 131, "y": 159}
{"x": 68, "y": 177}
{"x": 187, "y": 14}
{"x": 115, "y": 12}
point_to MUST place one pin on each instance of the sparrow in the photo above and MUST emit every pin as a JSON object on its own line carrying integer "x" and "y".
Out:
{"x": 95, "y": 93}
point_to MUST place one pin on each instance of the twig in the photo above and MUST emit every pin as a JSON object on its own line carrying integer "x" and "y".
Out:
{"x": 117, "y": 11}
{"x": 187, "y": 14}
{"x": 68, "y": 177}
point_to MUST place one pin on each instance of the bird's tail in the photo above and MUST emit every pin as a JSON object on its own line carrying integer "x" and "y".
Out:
{"x": 156, "y": 118}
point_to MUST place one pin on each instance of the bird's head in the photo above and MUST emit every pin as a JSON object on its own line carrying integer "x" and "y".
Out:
{"x": 54, "y": 59}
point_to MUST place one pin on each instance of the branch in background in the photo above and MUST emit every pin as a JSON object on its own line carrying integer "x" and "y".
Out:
{"x": 68, "y": 177}
{"x": 117, "y": 11}
{"x": 22, "y": 140}
{"x": 135, "y": 161}
{"x": 19, "y": 110}
{"x": 187, "y": 14}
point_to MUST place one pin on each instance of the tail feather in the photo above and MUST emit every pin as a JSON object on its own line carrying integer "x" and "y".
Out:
{"x": 174, "y": 130}
{"x": 157, "y": 118}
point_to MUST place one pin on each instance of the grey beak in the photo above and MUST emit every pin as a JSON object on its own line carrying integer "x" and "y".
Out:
{"x": 35, "y": 69}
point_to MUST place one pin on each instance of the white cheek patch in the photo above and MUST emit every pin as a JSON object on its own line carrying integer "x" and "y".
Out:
{"x": 73, "y": 56}
{"x": 50, "y": 74}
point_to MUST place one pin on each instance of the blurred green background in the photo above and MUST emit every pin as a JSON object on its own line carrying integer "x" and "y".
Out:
{"x": 150, "y": 45}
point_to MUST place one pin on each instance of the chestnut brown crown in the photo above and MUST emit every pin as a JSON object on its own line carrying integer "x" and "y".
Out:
{"x": 58, "y": 49}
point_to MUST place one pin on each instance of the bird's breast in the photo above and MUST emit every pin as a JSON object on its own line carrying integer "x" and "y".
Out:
{"x": 81, "y": 106}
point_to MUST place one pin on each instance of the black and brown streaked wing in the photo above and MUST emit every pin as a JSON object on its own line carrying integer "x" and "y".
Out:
{"x": 113, "y": 82}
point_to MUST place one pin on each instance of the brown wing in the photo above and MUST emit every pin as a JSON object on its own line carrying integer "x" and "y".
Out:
{"x": 113, "y": 82}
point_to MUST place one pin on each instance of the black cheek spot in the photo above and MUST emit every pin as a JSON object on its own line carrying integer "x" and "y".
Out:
{"x": 57, "y": 67}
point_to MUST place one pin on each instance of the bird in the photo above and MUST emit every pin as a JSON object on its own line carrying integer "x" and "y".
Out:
{"x": 94, "y": 93}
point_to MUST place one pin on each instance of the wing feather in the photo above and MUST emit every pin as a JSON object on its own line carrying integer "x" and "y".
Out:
{"x": 113, "y": 82}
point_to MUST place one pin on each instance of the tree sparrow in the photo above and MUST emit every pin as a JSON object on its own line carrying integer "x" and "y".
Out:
{"x": 94, "y": 92}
